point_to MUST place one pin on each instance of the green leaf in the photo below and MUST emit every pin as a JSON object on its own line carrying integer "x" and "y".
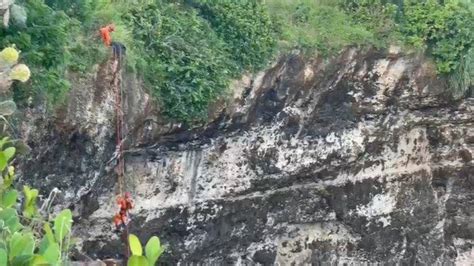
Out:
{"x": 52, "y": 253}
{"x": 153, "y": 250}
{"x": 10, "y": 218}
{"x": 29, "y": 208}
{"x": 49, "y": 233}
{"x": 137, "y": 261}
{"x": 21, "y": 244}
{"x": 22, "y": 260}
{"x": 9, "y": 153}
{"x": 43, "y": 245}
{"x": 3, "y": 257}
{"x": 39, "y": 260}
{"x": 9, "y": 198}
{"x": 135, "y": 245}
{"x": 8, "y": 178}
{"x": 3, "y": 161}
{"x": 62, "y": 225}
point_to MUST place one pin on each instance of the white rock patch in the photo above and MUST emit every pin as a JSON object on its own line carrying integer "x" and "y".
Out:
{"x": 381, "y": 205}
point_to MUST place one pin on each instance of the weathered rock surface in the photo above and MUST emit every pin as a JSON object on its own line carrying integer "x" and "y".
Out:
{"x": 353, "y": 160}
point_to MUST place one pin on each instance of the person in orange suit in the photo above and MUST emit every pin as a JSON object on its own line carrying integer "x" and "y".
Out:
{"x": 105, "y": 34}
{"x": 122, "y": 218}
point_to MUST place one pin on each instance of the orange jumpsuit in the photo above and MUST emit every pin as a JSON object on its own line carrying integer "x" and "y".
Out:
{"x": 105, "y": 34}
{"x": 125, "y": 204}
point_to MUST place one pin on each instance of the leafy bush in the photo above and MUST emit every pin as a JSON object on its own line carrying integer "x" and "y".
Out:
{"x": 186, "y": 63}
{"x": 377, "y": 16}
{"x": 447, "y": 30}
{"x": 315, "y": 25}
{"x": 73, "y": 8}
{"x": 93, "y": 14}
{"x": 188, "y": 50}
{"x": 44, "y": 44}
{"x": 462, "y": 80}
{"x": 247, "y": 29}
{"x": 19, "y": 236}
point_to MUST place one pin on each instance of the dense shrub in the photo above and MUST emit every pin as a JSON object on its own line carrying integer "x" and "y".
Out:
{"x": 44, "y": 44}
{"x": 186, "y": 64}
{"x": 26, "y": 235}
{"x": 317, "y": 25}
{"x": 447, "y": 30}
{"x": 462, "y": 80}
{"x": 188, "y": 50}
{"x": 190, "y": 57}
{"x": 187, "y": 55}
{"x": 73, "y": 8}
{"x": 247, "y": 29}
{"x": 377, "y": 16}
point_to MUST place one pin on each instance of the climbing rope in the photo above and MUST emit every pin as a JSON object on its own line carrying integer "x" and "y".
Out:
{"x": 123, "y": 199}
{"x": 121, "y": 219}
{"x": 120, "y": 167}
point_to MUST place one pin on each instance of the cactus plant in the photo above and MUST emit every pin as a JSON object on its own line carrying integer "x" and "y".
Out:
{"x": 9, "y": 56}
{"x": 10, "y": 70}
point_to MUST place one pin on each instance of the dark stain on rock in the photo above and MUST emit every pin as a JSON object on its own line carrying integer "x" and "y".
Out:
{"x": 465, "y": 155}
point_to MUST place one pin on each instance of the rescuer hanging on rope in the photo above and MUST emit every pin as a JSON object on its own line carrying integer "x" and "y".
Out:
{"x": 122, "y": 218}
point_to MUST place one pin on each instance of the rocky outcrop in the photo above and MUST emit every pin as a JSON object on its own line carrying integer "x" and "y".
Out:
{"x": 357, "y": 159}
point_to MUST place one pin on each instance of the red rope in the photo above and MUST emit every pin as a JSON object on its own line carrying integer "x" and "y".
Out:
{"x": 120, "y": 168}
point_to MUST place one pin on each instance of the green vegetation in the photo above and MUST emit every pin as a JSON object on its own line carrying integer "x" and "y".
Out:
{"x": 186, "y": 60}
{"x": 443, "y": 29}
{"x": 10, "y": 71}
{"x": 246, "y": 28}
{"x": 44, "y": 45}
{"x": 185, "y": 63}
{"x": 377, "y": 16}
{"x": 190, "y": 55}
{"x": 28, "y": 239}
{"x": 188, "y": 51}
{"x": 446, "y": 31}
{"x": 314, "y": 26}
{"x": 153, "y": 251}
{"x": 29, "y": 236}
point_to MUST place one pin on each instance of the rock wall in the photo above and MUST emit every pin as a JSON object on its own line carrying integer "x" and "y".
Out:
{"x": 357, "y": 159}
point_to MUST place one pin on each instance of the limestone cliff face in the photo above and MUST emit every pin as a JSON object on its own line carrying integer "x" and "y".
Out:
{"x": 356, "y": 159}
